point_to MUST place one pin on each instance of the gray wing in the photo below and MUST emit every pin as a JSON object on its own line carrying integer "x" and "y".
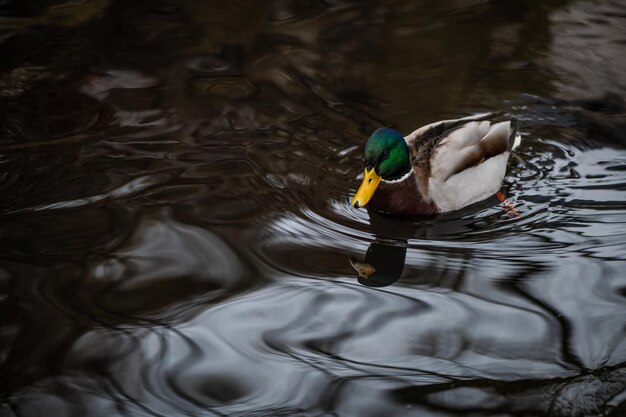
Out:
{"x": 441, "y": 128}
{"x": 468, "y": 143}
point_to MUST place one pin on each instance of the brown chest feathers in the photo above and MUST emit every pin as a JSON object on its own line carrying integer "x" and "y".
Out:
{"x": 403, "y": 198}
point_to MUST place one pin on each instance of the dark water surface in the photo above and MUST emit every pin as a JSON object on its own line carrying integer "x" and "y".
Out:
{"x": 175, "y": 231}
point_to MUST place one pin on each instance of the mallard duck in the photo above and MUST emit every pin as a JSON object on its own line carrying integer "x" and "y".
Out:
{"x": 441, "y": 167}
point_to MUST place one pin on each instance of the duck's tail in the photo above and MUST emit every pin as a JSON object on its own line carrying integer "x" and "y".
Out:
{"x": 515, "y": 139}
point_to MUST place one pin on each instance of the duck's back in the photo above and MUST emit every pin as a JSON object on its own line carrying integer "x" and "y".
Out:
{"x": 462, "y": 161}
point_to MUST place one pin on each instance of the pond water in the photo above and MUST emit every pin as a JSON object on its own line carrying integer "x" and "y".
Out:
{"x": 175, "y": 229}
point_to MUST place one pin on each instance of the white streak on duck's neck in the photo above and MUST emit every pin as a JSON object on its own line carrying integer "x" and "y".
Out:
{"x": 402, "y": 178}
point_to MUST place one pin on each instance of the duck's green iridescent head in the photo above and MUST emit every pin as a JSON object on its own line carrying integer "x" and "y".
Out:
{"x": 387, "y": 153}
{"x": 386, "y": 157}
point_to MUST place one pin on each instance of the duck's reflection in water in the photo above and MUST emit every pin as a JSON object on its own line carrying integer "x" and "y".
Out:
{"x": 383, "y": 263}
{"x": 385, "y": 258}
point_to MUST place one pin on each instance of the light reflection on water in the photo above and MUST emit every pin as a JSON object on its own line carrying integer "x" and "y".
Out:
{"x": 176, "y": 235}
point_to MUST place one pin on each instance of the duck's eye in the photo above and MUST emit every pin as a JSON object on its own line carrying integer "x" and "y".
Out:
{"x": 385, "y": 154}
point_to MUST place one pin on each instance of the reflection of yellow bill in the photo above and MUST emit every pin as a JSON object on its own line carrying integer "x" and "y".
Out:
{"x": 367, "y": 188}
{"x": 364, "y": 270}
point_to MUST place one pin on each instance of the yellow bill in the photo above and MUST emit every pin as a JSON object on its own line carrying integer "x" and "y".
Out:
{"x": 366, "y": 190}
